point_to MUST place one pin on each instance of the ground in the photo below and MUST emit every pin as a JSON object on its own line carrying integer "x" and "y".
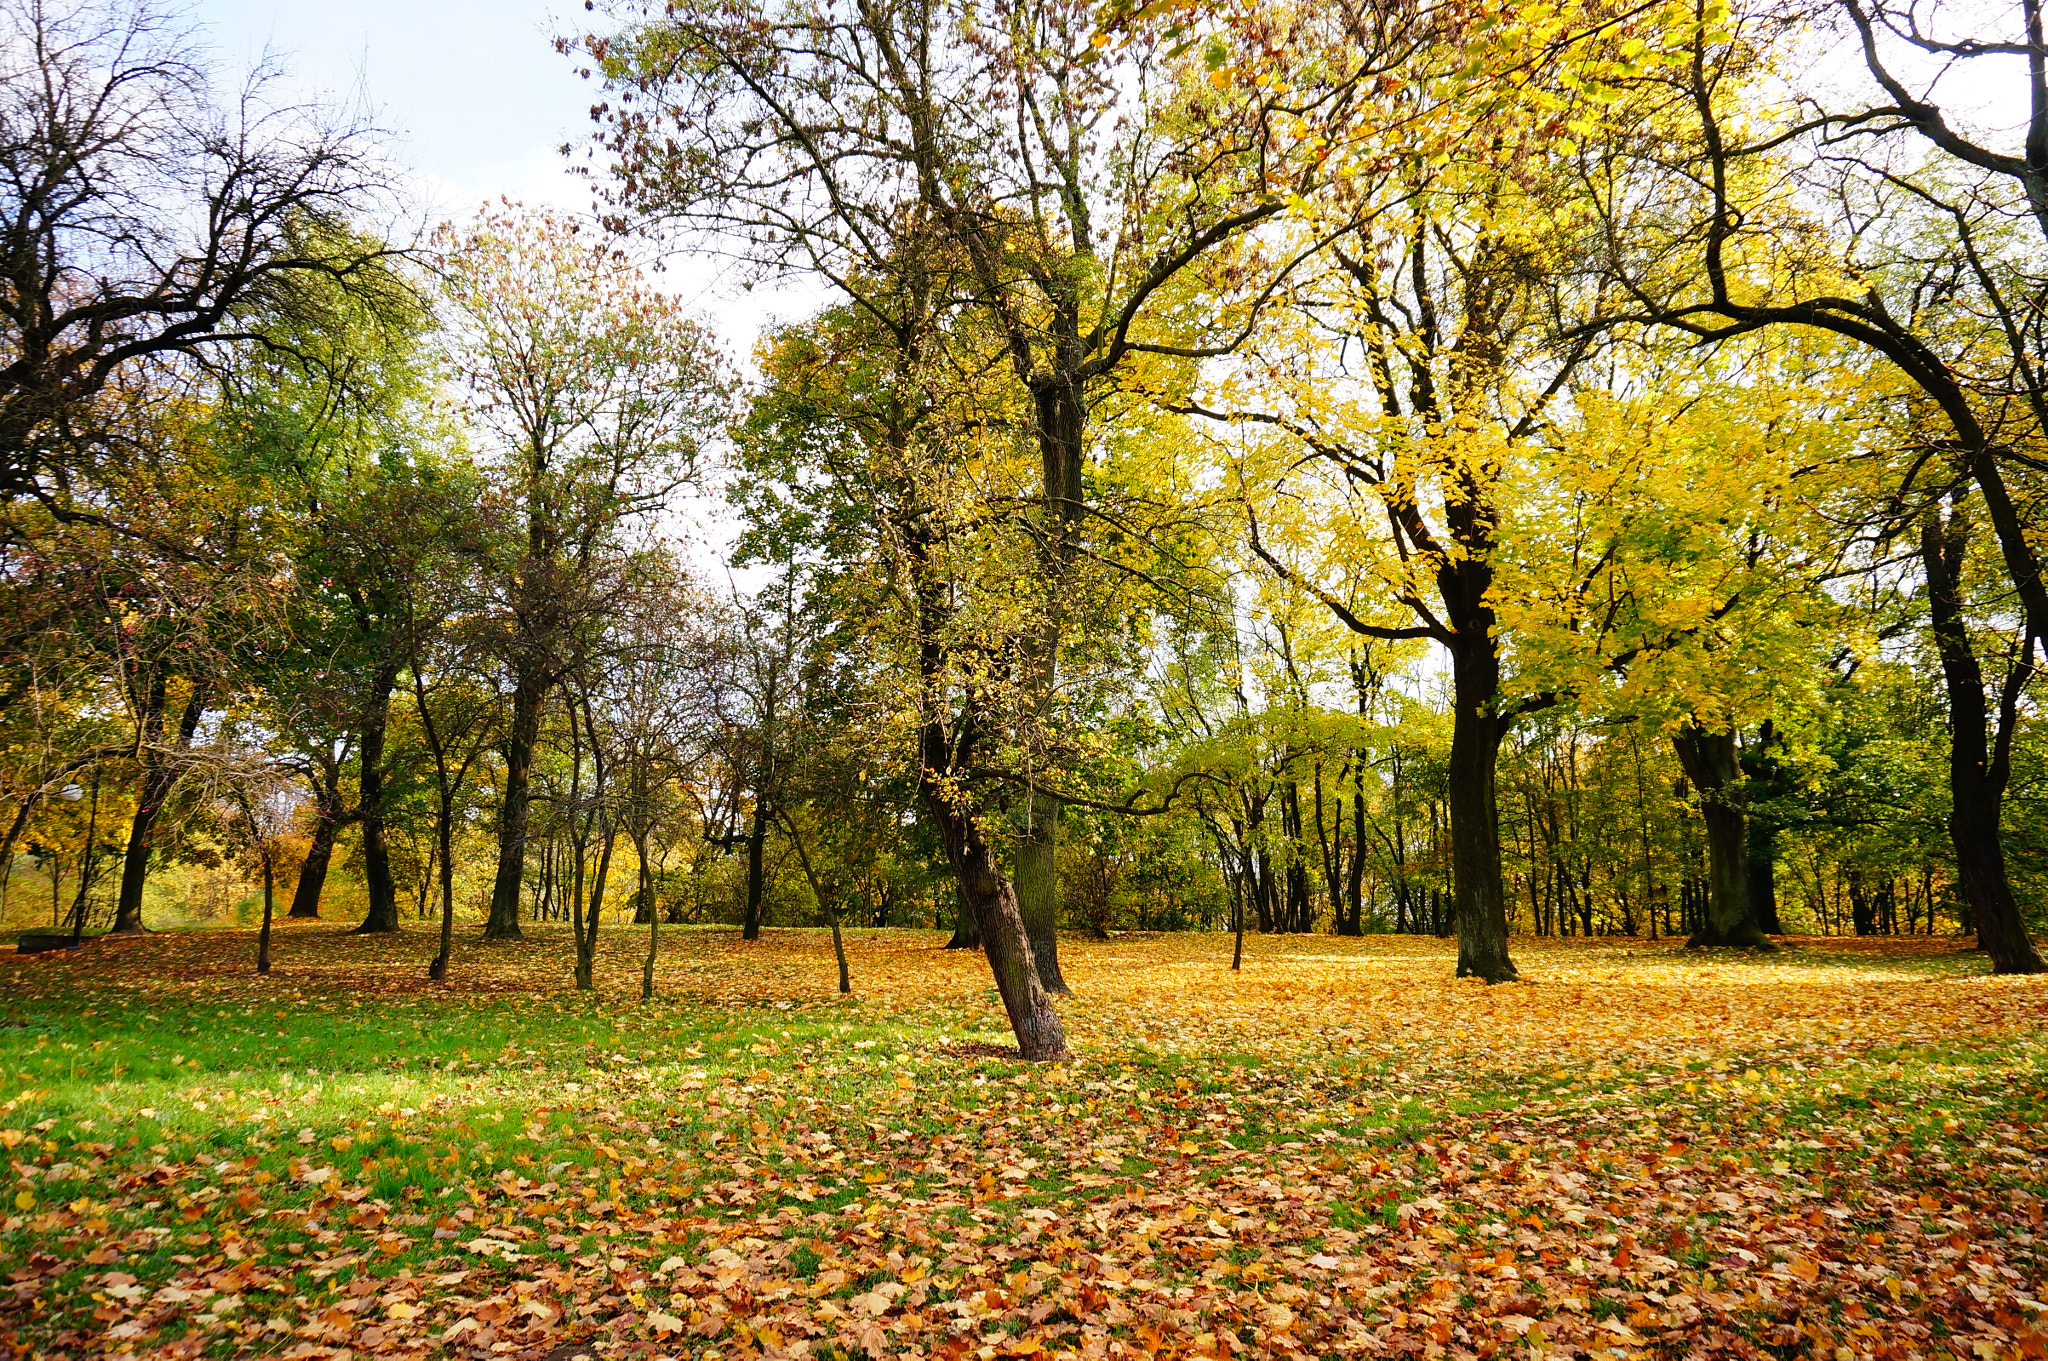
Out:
{"x": 1835, "y": 1151}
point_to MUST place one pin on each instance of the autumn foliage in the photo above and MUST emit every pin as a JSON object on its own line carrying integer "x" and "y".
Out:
{"x": 1336, "y": 1150}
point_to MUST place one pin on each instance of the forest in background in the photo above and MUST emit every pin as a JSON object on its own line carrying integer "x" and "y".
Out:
{"x": 1472, "y": 470}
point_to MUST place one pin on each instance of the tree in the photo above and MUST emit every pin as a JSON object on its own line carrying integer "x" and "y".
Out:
{"x": 1079, "y": 187}
{"x": 1742, "y": 246}
{"x": 141, "y": 226}
{"x": 596, "y": 392}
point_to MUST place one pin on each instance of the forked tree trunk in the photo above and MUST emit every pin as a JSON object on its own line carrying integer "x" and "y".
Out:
{"x": 1710, "y": 762}
{"x": 160, "y": 774}
{"x": 1979, "y": 760}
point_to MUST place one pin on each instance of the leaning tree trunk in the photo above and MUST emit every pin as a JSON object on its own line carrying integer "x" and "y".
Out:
{"x": 528, "y": 698}
{"x": 989, "y": 896}
{"x": 160, "y": 773}
{"x": 1710, "y": 762}
{"x": 1479, "y": 897}
{"x": 1977, "y": 770}
{"x": 313, "y": 870}
{"x": 381, "y": 886}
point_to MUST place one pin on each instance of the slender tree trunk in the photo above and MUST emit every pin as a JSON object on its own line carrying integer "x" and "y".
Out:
{"x": 269, "y": 907}
{"x": 757, "y": 842}
{"x": 382, "y": 888}
{"x": 1479, "y": 896}
{"x": 1979, "y": 761}
{"x": 586, "y": 934}
{"x": 529, "y": 697}
{"x": 160, "y": 774}
{"x": 645, "y": 914}
{"x": 825, "y": 904}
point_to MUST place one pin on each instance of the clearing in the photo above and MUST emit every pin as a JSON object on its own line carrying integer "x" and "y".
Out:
{"x": 1836, "y": 1152}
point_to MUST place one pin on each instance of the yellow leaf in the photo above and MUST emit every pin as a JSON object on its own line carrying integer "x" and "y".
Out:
{"x": 24, "y": 1200}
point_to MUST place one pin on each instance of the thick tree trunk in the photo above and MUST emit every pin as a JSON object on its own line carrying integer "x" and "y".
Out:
{"x": 1979, "y": 765}
{"x": 328, "y": 820}
{"x": 1710, "y": 762}
{"x": 313, "y": 870}
{"x": 160, "y": 774}
{"x": 528, "y": 697}
{"x": 1037, "y": 885}
{"x": 1763, "y": 878}
{"x": 1479, "y": 896}
{"x": 378, "y": 881}
{"x": 757, "y": 842}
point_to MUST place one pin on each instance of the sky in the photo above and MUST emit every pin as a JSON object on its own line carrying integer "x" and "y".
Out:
{"x": 476, "y": 105}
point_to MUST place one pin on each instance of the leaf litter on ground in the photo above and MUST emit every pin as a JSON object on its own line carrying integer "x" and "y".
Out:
{"x": 1831, "y": 1152}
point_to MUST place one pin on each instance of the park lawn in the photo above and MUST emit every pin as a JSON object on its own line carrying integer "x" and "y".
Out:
{"x": 1835, "y": 1151}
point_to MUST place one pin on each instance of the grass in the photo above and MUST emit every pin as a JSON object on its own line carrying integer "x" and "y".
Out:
{"x": 1638, "y": 1151}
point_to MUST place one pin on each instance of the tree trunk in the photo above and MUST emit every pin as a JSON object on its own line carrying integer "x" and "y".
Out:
{"x": 1710, "y": 762}
{"x": 1763, "y": 877}
{"x": 328, "y": 821}
{"x": 1037, "y": 884}
{"x": 966, "y": 930}
{"x": 160, "y": 774}
{"x": 586, "y": 925}
{"x": 645, "y": 915}
{"x": 1979, "y": 766}
{"x": 377, "y": 878}
{"x": 269, "y": 906}
{"x": 757, "y": 842}
{"x": 528, "y": 698}
{"x": 993, "y": 903}
{"x": 1478, "y": 894}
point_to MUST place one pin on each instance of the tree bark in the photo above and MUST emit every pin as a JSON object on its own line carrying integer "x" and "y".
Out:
{"x": 1479, "y": 898}
{"x": 382, "y": 888}
{"x": 328, "y": 819}
{"x": 757, "y": 842}
{"x": 529, "y": 695}
{"x": 1037, "y": 884}
{"x": 1763, "y": 878}
{"x": 160, "y": 774}
{"x": 1710, "y": 762}
{"x": 993, "y": 903}
{"x": 1979, "y": 761}
{"x": 966, "y": 930}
